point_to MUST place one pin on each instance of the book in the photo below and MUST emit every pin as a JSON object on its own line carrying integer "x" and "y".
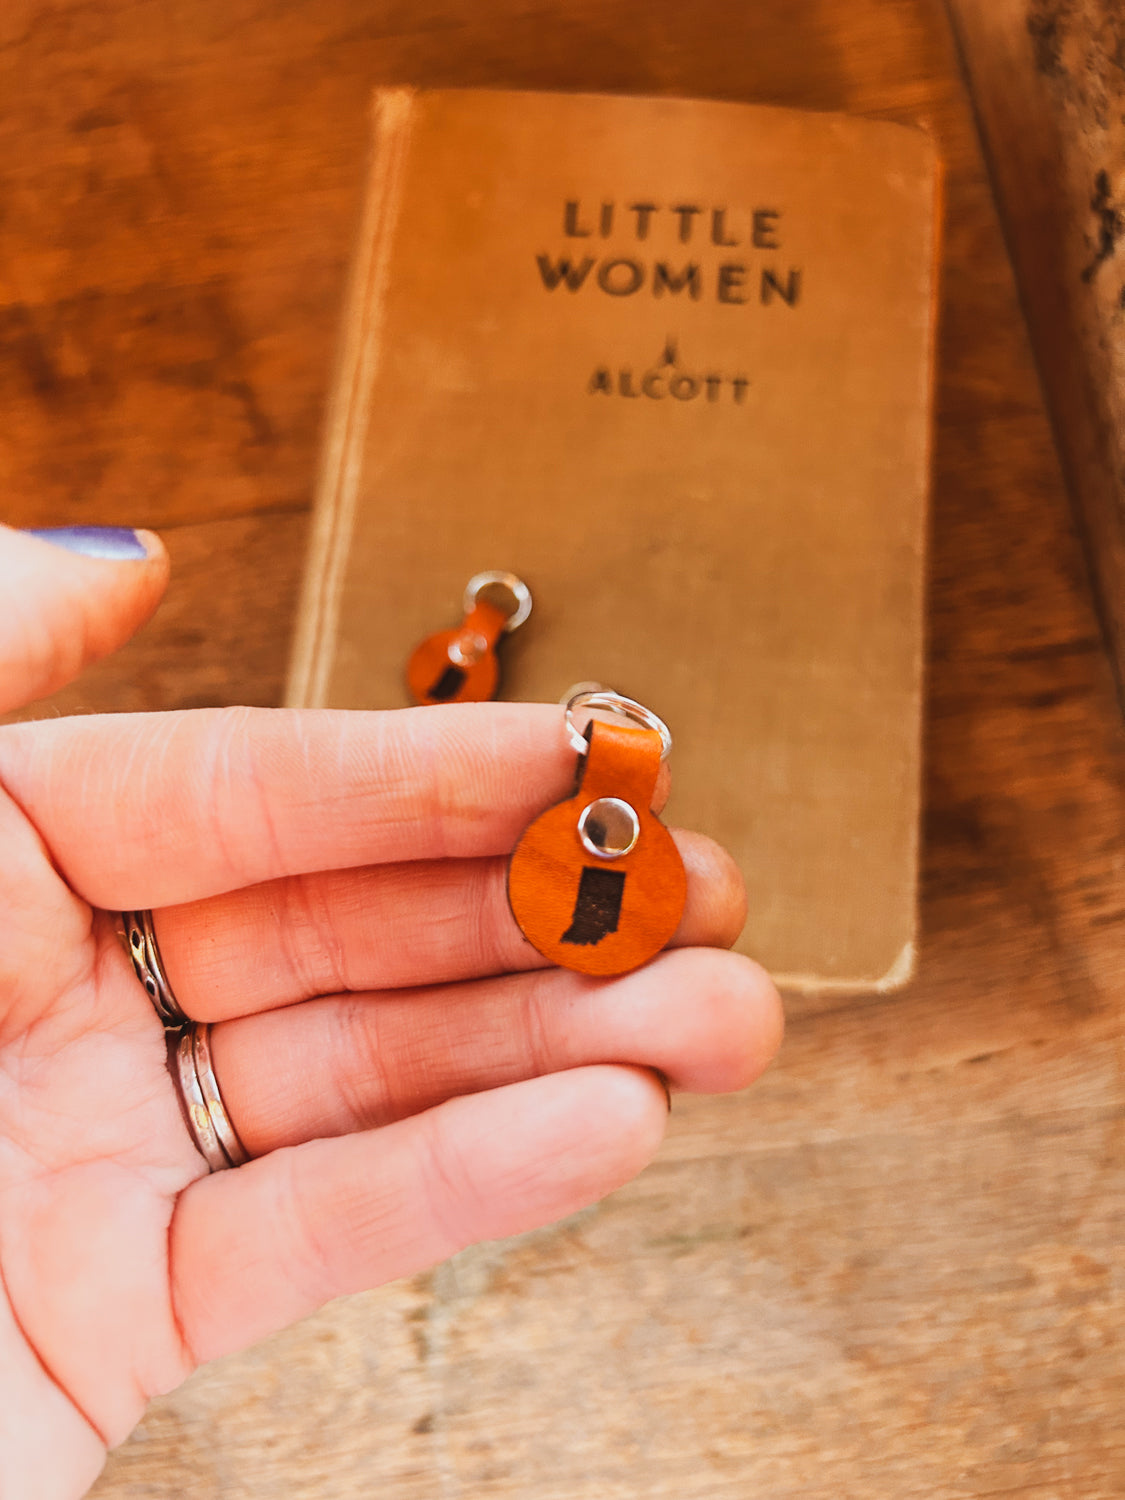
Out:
{"x": 669, "y": 361}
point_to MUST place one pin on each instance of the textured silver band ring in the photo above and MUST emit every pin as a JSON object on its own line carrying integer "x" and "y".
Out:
{"x": 236, "y": 1153}
{"x": 196, "y": 1112}
{"x": 207, "y": 1120}
{"x": 139, "y": 936}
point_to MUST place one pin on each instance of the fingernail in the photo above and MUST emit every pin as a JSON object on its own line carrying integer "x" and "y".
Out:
{"x": 115, "y": 543}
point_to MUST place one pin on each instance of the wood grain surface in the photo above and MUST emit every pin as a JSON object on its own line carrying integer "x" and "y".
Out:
{"x": 893, "y": 1269}
{"x": 1048, "y": 84}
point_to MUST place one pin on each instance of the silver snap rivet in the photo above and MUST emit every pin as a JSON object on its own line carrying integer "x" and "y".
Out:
{"x": 609, "y": 828}
{"x": 467, "y": 649}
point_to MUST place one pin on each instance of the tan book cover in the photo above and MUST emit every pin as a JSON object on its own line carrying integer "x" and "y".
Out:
{"x": 670, "y": 362}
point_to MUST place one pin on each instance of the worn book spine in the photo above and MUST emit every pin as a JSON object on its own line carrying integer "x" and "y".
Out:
{"x": 349, "y": 409}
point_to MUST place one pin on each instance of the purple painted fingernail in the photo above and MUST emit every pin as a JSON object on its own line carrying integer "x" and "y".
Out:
{"x": 113, "y": 542}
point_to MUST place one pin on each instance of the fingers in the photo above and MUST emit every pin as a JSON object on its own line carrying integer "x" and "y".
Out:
{"x": 255, "y": 1249}
{"x": 154, "y": 809}
{"x": 710, "y": 1022}
{"x": 63, "y": 610}
{"x": 37, "y": 1418}
{"x": 386, "y": 927}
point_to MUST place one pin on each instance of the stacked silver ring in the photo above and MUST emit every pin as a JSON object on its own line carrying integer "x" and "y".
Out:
{"x": 208, "y": 1121}
{"x": 139, "y": 936}
{"x": 189, "y": 1044}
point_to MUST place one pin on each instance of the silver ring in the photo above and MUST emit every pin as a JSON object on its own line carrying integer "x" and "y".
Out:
{"x": 582, "y": 687}
{"x": 137, "y": 932}
{"x": 515, "y": 586}
{"x": 627, "y": 708}
{"x": 196, "y": 1111}
{"x": 235, "y": 1151}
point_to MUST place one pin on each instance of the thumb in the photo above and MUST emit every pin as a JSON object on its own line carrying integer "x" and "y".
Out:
{"x": 69, "y": 596}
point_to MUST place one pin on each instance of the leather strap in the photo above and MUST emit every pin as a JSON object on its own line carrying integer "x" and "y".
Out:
{"x": 433, "y": 676}
{"x": 592, "y": 915}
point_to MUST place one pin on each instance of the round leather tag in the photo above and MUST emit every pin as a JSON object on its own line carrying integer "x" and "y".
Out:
{"x": 601, "y": 915}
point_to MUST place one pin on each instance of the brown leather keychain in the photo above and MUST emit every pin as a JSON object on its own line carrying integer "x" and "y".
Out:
{"x": 596, "y": 882}
{"x": 460, "y": 665}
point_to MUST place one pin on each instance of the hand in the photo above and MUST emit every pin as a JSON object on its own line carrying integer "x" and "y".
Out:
{"x": 406, "y": 1073}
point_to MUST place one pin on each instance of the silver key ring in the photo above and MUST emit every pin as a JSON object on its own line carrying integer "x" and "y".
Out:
{"x": 515, "y": 586}
{"x": 627, "y": 708}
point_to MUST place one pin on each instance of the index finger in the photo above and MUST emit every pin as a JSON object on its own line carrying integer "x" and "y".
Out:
{"x": 143, "y": 810}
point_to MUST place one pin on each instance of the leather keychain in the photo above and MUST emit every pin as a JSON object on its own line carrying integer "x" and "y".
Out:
{"x": 596, "y": 882}
{"x": 460, "y": 665}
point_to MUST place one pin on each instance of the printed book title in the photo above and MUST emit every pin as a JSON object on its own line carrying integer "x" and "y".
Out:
{"x": 631, "y": 264}
{"x": 626, "y": 271}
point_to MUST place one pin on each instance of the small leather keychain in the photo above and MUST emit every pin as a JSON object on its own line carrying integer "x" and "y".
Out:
{"x": 460, "y": 665}
{"x": 596, "y": 882}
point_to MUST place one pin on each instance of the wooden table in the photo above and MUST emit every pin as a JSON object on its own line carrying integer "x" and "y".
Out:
{"x": 894, "y": 1268}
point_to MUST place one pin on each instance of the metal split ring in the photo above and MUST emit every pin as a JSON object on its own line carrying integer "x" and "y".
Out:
{"x": 626, "y": 708}
{"x": 498, "y": 579}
